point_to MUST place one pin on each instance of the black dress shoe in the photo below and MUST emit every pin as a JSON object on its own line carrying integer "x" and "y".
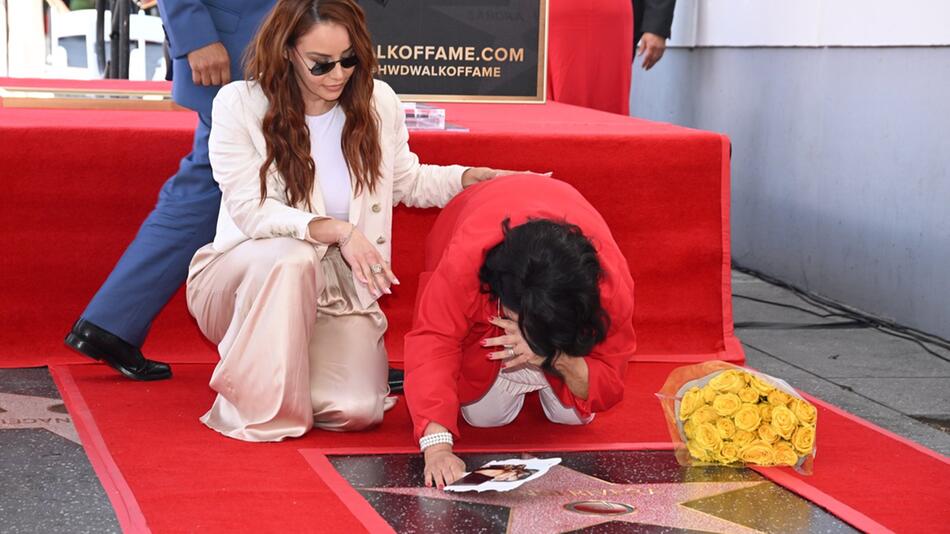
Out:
{"x": 395, "y": 380}
{"x": 90, "y": 340}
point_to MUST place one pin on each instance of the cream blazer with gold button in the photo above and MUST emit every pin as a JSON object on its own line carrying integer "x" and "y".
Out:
{"x": 237, "y": 150}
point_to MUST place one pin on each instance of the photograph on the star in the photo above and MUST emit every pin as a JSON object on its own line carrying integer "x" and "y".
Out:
{"x": 503, "y": 475}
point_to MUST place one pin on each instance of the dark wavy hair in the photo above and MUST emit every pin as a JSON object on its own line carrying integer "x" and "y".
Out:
{"x": 284, "y": 126}
{"x": 548, "y": 273}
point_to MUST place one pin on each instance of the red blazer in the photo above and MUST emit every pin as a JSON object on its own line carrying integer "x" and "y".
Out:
{"x": 445, "y": 364}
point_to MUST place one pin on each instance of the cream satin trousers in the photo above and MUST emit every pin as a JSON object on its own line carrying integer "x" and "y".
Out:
{"x": 296, "y": 349}
{"x": 504, "y": 400}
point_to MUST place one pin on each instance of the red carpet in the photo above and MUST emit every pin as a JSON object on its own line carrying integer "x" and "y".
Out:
{"x": 179, "y": 474}
{"x": 79, "y": 183}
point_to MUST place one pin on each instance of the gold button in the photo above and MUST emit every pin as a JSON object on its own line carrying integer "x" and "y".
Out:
{"x": 381, "y": 240}
{"x": 377, "y": 208}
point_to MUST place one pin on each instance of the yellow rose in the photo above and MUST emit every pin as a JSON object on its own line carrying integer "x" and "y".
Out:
{"x": 746, "y": 377}
{"x": 763, "y": 387}
{"x": 804, "y": 439}
{"x": 784, "y": 454}
{"x": 742, "y": 438}
{"x": 758, "y": 452}
{"x": 783, "y": 421}
{"x": 709, "y": 394}
{"x": 726, "y": 404}
{"x": 779, "y": 398}
{"x": 748, "y": 394}
{"x": 726, "y": 427}
{"x": 691, "y": 400}
{"x": 689, "y": 428}
{"x": 765, "y": 412}
{"x": 804, "y": 411}
{"x": 767, "y": 433}
{"x": 697, "y": 452}
{"x": 747, "y": 418}
{"x": 707, "y": 437}
{"x": 704, "y": 414}
{"x": 728, "y": 453}
{"x": 727, "y": 382}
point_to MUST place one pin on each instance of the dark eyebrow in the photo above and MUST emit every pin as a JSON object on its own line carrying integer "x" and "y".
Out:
{"x": 319, "y": 55}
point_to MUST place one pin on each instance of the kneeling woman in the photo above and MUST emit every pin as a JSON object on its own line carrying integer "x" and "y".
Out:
{"x": 311, "y": 154}
{"x": 524, "y": 290}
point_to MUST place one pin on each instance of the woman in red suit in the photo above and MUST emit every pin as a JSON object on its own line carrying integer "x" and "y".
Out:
{"x": 524, "y": 290}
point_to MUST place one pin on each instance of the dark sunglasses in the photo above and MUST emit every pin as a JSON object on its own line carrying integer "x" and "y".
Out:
{"x": 319, "y": 69}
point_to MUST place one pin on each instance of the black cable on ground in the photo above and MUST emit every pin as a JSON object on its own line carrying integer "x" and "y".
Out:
{"x": 759, "y": 325}
{"x": 836, "y": 309}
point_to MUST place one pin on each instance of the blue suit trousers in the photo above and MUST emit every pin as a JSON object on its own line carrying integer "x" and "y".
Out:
{"x": 155, "y": 264}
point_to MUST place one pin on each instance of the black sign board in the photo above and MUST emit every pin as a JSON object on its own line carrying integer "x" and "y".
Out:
{"x": 461, "y": 50}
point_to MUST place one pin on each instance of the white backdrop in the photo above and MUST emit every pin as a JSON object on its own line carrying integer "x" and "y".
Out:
{"x": 811, "y": 23}
{"x": 25, "y": 41}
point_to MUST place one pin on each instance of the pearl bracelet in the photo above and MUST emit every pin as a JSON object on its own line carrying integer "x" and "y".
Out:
{"x": 434, "y": 439}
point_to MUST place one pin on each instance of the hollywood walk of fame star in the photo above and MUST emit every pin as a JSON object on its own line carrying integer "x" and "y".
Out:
{"x": 539, "y": 506}
{"x": 28, "y": 411}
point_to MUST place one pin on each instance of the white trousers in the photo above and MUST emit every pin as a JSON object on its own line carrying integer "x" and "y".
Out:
{"x": 297, "y": 351}
{"x": 505, "y": 398}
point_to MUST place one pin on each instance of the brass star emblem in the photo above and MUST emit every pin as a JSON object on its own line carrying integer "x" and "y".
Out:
{"x": 28, "y": 411}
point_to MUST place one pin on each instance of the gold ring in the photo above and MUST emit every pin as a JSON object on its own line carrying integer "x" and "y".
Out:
{"x": 377, "y": 268}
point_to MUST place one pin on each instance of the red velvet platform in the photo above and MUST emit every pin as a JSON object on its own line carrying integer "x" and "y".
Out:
{"x": 78, "y": 183}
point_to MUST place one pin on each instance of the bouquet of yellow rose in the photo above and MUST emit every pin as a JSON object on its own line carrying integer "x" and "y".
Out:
{"x": 722, "y": 414}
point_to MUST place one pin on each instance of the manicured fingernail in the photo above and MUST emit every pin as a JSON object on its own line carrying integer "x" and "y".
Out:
{"x": 396, "y": 281}
{"x": 484, "y": 342}
{"x": 387, "y": 291}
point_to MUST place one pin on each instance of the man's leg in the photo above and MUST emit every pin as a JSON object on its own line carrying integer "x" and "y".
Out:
{"x": 153, "y": 266}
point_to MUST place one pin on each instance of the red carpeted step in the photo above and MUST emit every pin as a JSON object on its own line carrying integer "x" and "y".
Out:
{"x": 80, "y": 182}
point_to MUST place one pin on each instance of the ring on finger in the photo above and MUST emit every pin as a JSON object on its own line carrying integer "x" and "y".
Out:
{"x": 510, "y": 351}
{"x": 376, "y": 268}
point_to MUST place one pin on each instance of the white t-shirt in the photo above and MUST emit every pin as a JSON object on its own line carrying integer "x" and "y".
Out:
{"x": 326, "y": 147}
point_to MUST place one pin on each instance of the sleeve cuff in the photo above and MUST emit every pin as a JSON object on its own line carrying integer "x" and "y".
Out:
{"x": 455, "y": 173}
{"x": 181, "y": 50}
{"x": 423, "y": 423}
{"x": 305, "y": 229}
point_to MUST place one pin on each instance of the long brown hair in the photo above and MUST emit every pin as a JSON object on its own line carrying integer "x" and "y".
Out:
{"x": 284, "y": 126}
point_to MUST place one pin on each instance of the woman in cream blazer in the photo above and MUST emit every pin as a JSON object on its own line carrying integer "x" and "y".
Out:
{"x": 287, "y": 292}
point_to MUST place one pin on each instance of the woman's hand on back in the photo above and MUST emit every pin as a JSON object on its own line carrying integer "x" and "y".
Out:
{"x": 473, "y": 175}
